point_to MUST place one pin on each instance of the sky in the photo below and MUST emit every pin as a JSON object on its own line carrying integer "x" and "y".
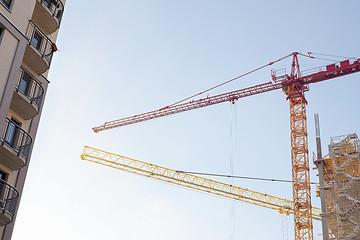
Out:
{"x": 120, "y": 58}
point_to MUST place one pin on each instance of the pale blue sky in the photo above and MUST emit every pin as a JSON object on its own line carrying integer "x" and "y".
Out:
{"x": 119, "y": 58}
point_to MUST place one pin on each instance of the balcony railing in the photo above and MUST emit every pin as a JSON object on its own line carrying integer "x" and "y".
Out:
{"x": 28, "y": 86}
{"x": 56, "y": 8}
{"x": 8, "y": 201}
{"x": 40, "y": 42}
{"x": 17, "y": 139}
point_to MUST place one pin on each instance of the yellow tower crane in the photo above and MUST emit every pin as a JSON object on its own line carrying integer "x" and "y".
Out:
{"x": 191, "y": 181}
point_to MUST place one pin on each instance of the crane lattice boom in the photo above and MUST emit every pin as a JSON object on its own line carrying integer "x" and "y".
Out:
{"x": 169, "y": 110}
{"x": 309, "y": 76}
{"x": 191, "y": 181}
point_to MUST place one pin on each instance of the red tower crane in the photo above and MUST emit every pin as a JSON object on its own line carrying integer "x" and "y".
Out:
{"x": 294, "y": 85}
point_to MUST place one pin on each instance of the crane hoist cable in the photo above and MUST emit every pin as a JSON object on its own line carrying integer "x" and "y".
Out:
{"x": 232, "y": 157}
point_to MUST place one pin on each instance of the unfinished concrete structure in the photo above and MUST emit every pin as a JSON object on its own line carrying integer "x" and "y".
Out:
{"x": 340, "y": 187}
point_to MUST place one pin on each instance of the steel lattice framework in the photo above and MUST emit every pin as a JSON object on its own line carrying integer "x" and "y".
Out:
{"x": 299, "y": 154}
{"x": 190, "y": 181}
{"x": 300, "y": 169}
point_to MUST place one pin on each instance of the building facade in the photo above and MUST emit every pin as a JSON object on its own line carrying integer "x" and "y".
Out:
{"x": 28, "y": 31}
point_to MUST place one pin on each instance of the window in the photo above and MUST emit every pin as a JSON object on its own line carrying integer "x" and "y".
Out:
{"x": 1, "y": 33}
{"x": 7, "y": 3}
{"x": 36, "y": 40}
{"x": 51, "y": 4}
{"x": 3, "y": 175}
{"x": 12, "y": 132}
{"x": 46, "y": 3}
{"x": 25, "y": 83}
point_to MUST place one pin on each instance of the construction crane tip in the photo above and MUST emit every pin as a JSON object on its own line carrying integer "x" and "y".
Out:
{"x": 96, "y": 129}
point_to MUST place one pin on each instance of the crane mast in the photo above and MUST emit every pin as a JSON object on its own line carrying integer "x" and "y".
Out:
{"x": 190, "y": 181}
{"x": 299, "y": 154}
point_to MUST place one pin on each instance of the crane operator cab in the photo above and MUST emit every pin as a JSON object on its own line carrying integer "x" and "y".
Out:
{"x": 293, "y": 87}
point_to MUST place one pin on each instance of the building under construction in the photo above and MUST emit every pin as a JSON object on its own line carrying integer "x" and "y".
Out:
{"x": 339, "y": 188}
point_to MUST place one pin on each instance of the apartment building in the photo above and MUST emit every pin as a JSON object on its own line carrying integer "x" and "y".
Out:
{"x": 28, "y": 31}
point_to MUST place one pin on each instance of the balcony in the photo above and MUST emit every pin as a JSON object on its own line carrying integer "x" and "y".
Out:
{"x": 47, "y": 15}
{"x": 15, "y": 145}
{"x": 8, "y": 202}
{"x": 39, "y": 52}
{"x": 28, "y": 95}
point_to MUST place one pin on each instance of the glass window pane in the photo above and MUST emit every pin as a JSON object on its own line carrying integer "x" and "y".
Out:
{"x": 36, "y": 41}
{"x": 3, "y": 175}
{"x": 46, "y": 3}
{"x": 24, "y": 85}
{"x": 10, "y": 133}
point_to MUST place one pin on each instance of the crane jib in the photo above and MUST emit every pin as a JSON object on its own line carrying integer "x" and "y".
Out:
{"x": 309, "y": 76}
{"x": 169, "y": 110}
{"x": 191, "y": 181}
